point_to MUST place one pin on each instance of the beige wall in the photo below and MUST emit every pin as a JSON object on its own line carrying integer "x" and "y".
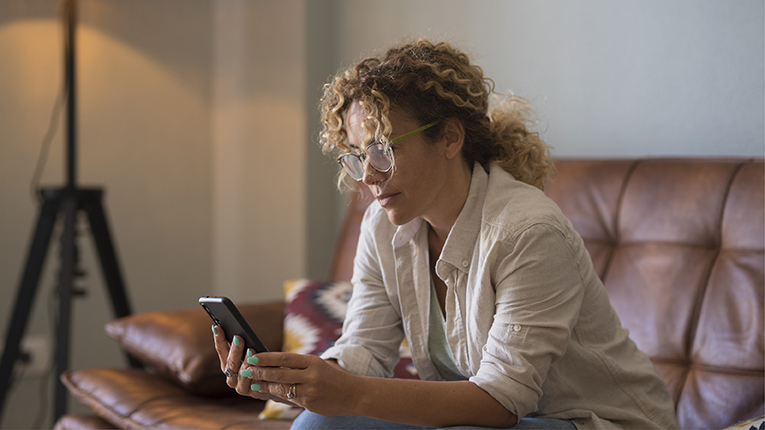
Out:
{"x": 192, "y": 120}
{"x": 258, "y": 147}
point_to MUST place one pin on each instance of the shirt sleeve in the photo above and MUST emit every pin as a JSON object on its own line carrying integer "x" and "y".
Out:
{"x": 539, "y": 293}
{"x": 372, "y": 330}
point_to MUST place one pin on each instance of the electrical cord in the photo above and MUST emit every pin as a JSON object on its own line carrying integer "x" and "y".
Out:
{"x": 53, "y": 123}
{"x": 42, "y": 157}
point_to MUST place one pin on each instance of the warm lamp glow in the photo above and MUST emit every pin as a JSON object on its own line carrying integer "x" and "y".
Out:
{"x": 34, "y": 49}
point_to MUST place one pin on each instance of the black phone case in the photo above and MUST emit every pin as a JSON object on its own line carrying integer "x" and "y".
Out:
{"x": 223, "y": 313}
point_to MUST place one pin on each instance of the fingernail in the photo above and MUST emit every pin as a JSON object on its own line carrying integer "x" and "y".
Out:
{"x": 249, "y": 352}
{"x": 215, "y": 330}
{"x": 237, "y": 342}
{"x": 252, "y": 360}
{"x": 246, "y": 373}
{"x": 255, "y": 387}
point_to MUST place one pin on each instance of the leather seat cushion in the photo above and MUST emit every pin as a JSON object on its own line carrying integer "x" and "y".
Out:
{"x": 133, "y": 398}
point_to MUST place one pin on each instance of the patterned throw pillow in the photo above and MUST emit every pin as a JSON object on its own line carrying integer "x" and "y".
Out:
{"x": 313, "y": 321}
{"x": 751, "y": 424}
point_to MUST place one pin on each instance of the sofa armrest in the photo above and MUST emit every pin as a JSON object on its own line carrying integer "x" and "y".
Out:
{"x": 178, "y": 345}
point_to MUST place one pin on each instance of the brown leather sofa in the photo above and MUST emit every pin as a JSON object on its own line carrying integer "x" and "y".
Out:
{"x": 678, "y": 243}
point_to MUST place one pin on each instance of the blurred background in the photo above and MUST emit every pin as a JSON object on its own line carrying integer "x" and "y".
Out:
{"x": 199, "y": 119}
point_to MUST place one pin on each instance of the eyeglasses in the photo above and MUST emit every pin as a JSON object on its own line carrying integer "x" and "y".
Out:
{"x": 379, "y": 155}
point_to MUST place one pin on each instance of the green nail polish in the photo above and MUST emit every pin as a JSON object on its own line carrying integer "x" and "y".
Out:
{"x": 252, "y": 360}
{"x": 249, "y": 352}
{"x": 246, "y": 373}
{"x": 255, "y": 387}
{"x": 215, "y": 330}
{"x": 237, "y": 342}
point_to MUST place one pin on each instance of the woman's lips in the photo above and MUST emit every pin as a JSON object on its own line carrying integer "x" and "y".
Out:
{"x": 386, "y": 199}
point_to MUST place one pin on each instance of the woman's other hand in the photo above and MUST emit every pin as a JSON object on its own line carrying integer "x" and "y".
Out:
{"x": 304, "y": 380}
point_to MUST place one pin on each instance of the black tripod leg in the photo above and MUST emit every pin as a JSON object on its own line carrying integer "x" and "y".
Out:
{"x": 108, "y": 257}
{"x": 70, "y": 208}
{"x": 26, "y": 293}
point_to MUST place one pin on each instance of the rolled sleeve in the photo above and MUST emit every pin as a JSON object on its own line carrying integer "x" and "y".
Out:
{"x": 353, "y": 358}
{"x": 539, "y": 293}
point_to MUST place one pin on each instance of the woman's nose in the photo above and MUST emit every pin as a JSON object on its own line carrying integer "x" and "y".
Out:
{"x": 373, "y": 176}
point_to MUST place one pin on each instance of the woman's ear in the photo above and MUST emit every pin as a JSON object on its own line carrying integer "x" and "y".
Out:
{"x": 454, "y": 136}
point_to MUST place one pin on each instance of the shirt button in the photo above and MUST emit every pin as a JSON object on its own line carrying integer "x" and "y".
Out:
{"x": 465, "y": 263}
{"x": 516, "y": 327}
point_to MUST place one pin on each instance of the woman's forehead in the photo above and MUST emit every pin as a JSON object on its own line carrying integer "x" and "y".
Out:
{"x": 353, "y": 119}
{"x": 357, "y": 120}
{"x": 355, "y": 115}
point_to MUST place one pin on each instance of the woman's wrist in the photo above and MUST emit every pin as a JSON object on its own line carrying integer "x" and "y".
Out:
{"x": 352, "y": 390}
{"x": 361, "y": 395}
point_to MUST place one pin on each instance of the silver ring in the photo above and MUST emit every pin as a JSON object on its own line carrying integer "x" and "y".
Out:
{"x": 229, "y": 373}
{"x": 291, "y": 393}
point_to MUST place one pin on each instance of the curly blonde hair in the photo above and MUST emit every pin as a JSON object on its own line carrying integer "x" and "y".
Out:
{"x": 431, "y": 82}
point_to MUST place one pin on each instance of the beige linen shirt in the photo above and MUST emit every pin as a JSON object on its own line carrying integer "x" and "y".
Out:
{"x": 527, "y": 318}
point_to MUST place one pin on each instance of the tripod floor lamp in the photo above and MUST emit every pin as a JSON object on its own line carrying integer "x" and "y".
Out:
{"x": 65, "y": 202}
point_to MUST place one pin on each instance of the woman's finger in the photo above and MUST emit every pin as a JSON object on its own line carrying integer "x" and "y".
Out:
{"x": 278, "y": 375}
{"x": 234, "y": 362}
{"x": 221, "y": 346}
{"x": 284, "y": 393}
{"x": 245, "y": 381}
{"x": 284, "y": 360}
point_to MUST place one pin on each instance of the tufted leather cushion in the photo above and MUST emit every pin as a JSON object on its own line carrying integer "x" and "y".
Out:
{"x": 679, "y": 246}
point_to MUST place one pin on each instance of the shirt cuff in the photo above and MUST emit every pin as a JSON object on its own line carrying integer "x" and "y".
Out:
{"x": 498, "y": 385}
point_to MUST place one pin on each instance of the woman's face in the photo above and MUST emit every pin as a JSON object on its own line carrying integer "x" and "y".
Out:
{"x": 418, "y": 185}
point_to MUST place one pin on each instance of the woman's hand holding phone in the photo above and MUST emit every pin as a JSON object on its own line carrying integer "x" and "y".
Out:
{"x": 302, "y": 380}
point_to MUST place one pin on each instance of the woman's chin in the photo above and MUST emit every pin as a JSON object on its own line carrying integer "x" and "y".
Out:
{"x": 396, "y": 217}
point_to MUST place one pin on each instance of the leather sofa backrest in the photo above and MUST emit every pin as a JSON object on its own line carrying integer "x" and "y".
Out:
{"x": 679, "y": 246}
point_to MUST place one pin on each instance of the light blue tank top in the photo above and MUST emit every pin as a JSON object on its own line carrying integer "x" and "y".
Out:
{"x": 440, "y": 353}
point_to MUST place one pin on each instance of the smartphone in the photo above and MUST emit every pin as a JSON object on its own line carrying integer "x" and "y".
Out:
{"x": 225, "y": 314}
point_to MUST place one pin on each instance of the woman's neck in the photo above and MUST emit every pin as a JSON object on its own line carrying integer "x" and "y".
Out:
{"x": 443, "y": 220}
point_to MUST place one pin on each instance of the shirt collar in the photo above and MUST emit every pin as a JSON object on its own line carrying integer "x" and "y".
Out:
{"x": 405, "y": 233}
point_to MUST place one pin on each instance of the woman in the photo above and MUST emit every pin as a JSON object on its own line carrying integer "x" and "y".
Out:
{"x": 464, "y": 256}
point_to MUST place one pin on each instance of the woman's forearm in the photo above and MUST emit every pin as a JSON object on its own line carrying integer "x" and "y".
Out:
{"x": 324, "y": 387}
{"x": 428, "y": 403}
